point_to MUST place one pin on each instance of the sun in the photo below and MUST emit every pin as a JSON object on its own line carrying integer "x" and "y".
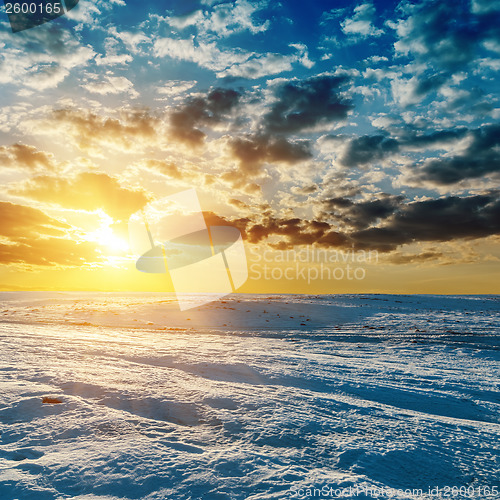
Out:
{"x": 105, "y": 237}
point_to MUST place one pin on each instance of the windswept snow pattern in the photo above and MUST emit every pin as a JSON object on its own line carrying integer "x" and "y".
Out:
{"x": 253, "y": 397}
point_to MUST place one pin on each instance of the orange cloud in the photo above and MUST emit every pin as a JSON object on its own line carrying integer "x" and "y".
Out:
{"x": 292, "y": 231}
{"x": 21, "y": 221}
{"x": 24, "y": 156}
{"x": 31, "y": 237}
{"x": 166, "y": 168}
{"x": 49, "y": 252}
{"x": 86, "y": 191}
{"x": 130, "y": 131}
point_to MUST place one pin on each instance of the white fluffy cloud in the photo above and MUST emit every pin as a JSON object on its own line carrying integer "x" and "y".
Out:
{"x": 175, "y": 87}
{"x": 235, "y": 63}
{"x": 223, "y": 19}
{"x": 111, "y": 85}
{"x": 207, "y": 55}
{"x": 261, "y": 65}
{"x": 133, "y": 41}
{"x": 360, "y": 25}
{"x": 41, "y": 58}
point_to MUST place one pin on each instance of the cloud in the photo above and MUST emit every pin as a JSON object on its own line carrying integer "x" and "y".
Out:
{"x": 298, "y": 106}
{"x": 253, "y": 150}
{"x": 426, "y": 256}
{"x": 360, "y": 25}
{"x": 303, "y": 105}
{"x": 480, "y": 158}
{"x": 362, "y": 214}
{"x": 383, "y": 224}
{"x": 441, "y": 40}
{"x": 261, "y": 65}
{"x": 49, "y": 252}
{"x": 436, "y": 139}
{"x": 240, "y": 181}
{"x": 485, "y": 6}
{"x": 240, "y": 205}
{"x": 296, "y": 231}
{"x": 304, "y": 190}
{"x": 372, "y": 149}
{"x": 24, "y": 156}
{"x": 113, "y": 56}
{"x": 134, "y": 42}
{"x": 410, "y": 91}
{"x": 166, "y": 168}
{"x": 235, "y": 63}
{"x": 368, "y": 150}
{"x": 291, "y": 231}
{"x": 31, "y": 237}
{"x": 87, "y": 13}
{"x": 86, "y": 191}
{"x": 445, "y": 35}
{"x": 186, "y": 20}
{"x": 175, "y": 87}
{"x": 113, "y": 59}
{"x": 19, "y": 221}
{"x": 131, "y": 130}
{"x": 223, "y": 19}
{"x": 111, "y": 85}
{"x": 206, "y": 55}
{"x": 443, "y": 219}
{"x": 41, "y": 58}
{"x": 199, "y": 111}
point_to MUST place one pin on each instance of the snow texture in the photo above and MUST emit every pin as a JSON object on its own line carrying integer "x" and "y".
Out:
{"x": 252, "y": 397}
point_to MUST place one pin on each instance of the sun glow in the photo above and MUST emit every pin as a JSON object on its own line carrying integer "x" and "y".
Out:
{"x": 104, "y": 236}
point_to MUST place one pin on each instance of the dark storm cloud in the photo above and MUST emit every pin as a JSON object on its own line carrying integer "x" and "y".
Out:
{"x": 480, "y": 158}
{"x": 411, "y": 140}
{"x": 428, "y": 84}
{"x": 444, "y": 219}
{"x": 447, "y": 34}
{"x": 305, "y": 104}
{"x": 360, "y": 215}
{"x": 293, "y": 232}
{"x": 254, "y": 150}
{"x": 368, "y": 149}
{"x": 201, "y": 111}
{"x": 382, "y": 224}
{"x": 300, "y": 105}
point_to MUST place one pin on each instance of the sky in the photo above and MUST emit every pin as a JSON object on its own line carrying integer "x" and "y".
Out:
{"x": 366, "y": 130}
